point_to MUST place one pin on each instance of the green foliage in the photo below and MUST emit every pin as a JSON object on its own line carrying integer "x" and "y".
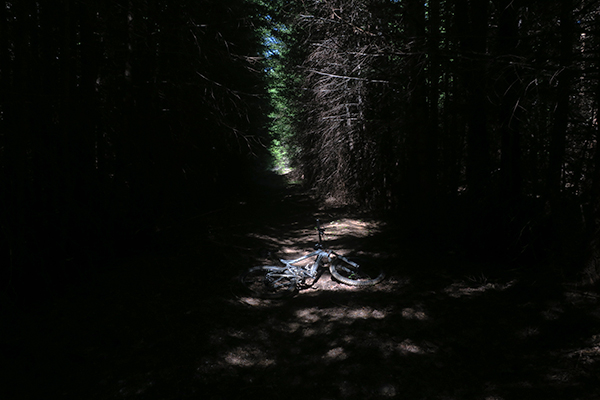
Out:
{"x": 283, "y": 82}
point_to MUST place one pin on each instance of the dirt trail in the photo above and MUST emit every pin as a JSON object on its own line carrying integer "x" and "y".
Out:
{"x": 174, "y": 325}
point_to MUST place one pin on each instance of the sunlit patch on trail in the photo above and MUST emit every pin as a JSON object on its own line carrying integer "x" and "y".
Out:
{"x": 257, "y": 302}
{"x": 248, "y": 356}
{"x": 387, "y": 390}
{"x": 336, "y": 354}
{"x": 343, "y": 315}
{"x": 295, "y": 242}
{"x": 465, "y": 288}
{"x": 351, "y": 227}
{"x": 411, "y": 313}
{"x": 389, "y": 347}
{"x": 325, "y": 283}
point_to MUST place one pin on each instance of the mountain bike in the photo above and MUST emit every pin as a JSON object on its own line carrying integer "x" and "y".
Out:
{"x": 280, "y": 281}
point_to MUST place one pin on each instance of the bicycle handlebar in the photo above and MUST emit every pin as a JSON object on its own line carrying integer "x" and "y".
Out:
{"x": 321, "y": 232}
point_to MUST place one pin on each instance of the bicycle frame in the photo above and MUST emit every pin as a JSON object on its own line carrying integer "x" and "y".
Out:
{"x": 301, "y": 271}
{"x": 296, "y": 271}
{"x": 290, "y": 270}
{"x": 321, "y": 256}
{"x": 292, "y": 276}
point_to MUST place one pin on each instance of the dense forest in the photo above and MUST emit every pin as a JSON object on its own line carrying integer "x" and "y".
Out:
{"x": 116, "y": 116}
{"x": 469, "y": 123}
{"x": 473, "y": 120}
{"x": 153, "y": 151}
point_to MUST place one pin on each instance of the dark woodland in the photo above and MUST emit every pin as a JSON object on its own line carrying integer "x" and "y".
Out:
{"x": 141, "y": 148}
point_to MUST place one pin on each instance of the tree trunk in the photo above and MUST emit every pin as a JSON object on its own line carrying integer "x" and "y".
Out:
{"x": 509, "y": 115}
{"x": 430, "y": 140}
{"x": 592, "y": 263}
{"x": 561, "y": 113}
{"x": 471, "y": 20}
{"x": 421, "y": 144}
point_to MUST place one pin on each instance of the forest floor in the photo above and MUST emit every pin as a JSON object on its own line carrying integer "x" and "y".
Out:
{"x": 172, "y": 323}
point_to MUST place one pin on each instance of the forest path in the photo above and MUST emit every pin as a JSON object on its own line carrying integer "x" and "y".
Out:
{"x": 173, "y": 324}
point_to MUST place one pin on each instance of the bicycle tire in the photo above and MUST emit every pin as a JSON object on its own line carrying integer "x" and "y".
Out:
{"x": 353, "y": 274}
{"x": 263, "y": 282}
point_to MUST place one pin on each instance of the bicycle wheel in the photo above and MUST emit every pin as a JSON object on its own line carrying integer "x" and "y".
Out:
{"x": 269, "y": 282}
{"x": 351, "y": 273}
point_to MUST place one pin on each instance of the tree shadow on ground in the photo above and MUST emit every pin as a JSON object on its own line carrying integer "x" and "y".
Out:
{"x": 175, "y": 325}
